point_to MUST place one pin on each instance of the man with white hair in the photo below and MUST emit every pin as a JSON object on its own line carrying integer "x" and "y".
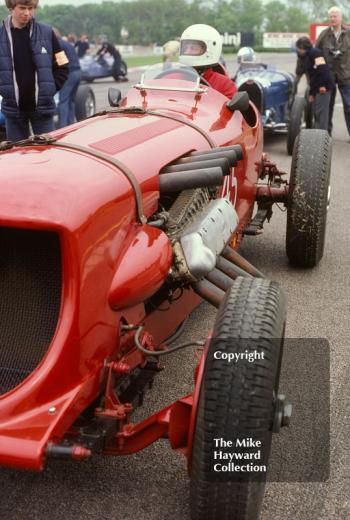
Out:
{"x": 335, "y": 44}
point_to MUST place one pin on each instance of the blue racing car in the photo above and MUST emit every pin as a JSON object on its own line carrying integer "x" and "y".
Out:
{"x": 97, "y": 67}
{"x": 273, "y": 93}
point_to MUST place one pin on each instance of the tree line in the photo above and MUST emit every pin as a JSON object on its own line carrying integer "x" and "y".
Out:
{"x": 150, "y": 21}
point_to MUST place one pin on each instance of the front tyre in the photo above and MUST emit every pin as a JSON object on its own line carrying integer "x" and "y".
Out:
{"x": 238, "y": 400}
{"x": 308, "y": 198}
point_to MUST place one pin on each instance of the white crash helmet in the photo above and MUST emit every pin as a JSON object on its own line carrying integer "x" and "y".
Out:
{"x": 246, "y": 55}
{"x": 200, "y": 46}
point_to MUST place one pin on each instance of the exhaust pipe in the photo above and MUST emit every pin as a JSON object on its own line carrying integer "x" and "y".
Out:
{"x": 209, "y": 292}
{"x": 232, "y": 255}
{"x": 230, "y": 155}
{"x": 230, "y": 269}
{"x": 200, "y": 165}
{"x": 219, "y": 279}
{"x": 185, "y": 180}
{"x": 235, "y": 147}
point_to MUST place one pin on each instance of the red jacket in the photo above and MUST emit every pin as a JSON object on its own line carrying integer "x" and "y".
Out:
{"x": 220, "y": 82}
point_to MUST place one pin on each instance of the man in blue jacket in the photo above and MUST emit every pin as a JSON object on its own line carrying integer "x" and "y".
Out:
{"x": 321, "y": 82}
{"x": 67, "y": 95}
{"x": 32, "y": 68}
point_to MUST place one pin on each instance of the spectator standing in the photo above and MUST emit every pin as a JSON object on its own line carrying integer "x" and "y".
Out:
{"x": 72, "y": 38}
{"x": 321, "y": 81}
{"x": 82, "y": 46}
{"x": 200, "y": 47}
{"x": 335, "y": 44}
{"x": 33, "y": 67}
{"x": 66, "y": 103}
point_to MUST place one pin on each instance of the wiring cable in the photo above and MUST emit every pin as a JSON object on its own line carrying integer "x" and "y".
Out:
{"x": 162, "y": 352}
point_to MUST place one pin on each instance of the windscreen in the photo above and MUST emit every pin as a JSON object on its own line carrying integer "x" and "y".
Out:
{"x": 170, "y": 76}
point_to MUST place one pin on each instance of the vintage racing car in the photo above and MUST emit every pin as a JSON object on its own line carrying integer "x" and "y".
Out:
{"x": 112, "y": 231}
{"x": 94, "y": 67}
{"x": 273, "y": 93}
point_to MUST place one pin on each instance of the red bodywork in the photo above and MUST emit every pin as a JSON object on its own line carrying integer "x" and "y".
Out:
{"x": 110, "y": 264}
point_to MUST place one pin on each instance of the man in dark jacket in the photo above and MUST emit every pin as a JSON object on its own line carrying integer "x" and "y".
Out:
{"x": 321, "y": 82}
{"x": 82, "y": 46}
{"x": 32, "y": 68}
{"x": 300, "y": 68}
{"x": 335, "y": 44}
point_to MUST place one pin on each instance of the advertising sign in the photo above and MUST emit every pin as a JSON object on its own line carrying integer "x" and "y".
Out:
{"x": 281, "y": 40}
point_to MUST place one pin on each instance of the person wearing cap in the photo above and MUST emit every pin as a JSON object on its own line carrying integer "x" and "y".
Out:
{"x": 335, "y": 44}
{"x": 33, "y": 67}
{"x": 200, "y": 47}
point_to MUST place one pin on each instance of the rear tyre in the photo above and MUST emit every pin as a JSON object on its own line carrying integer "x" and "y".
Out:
{"x": 238, "y": 401}
{"x": 85, "y": 103}
{"x": 295, "y": 122}
{"x": 123, "y": 68}
{"x": 122, "y": 73}
{"x": 308, "y": 198}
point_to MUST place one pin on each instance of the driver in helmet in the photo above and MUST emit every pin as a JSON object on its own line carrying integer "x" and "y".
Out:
{"x": 246, "y": 59}
{"x": 246, "y": 56}
{"x": 200, "y": 47}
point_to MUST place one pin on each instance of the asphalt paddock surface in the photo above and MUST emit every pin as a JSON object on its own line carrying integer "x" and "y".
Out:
{"x": 153, "y": 484}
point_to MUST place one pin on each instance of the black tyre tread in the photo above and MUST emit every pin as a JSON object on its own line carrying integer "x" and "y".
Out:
{"x": 308, "y": 198}
{"x": 295, "y": 122}
{"x": 252, "y": 309}
{"x": 123, "y": 71}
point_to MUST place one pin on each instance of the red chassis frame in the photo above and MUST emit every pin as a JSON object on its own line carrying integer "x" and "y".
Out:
{"x": 111, "y": 263}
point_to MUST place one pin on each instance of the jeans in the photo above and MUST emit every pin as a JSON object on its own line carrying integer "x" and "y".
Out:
{"x": 66, "y": 104}
{"x": 345, "y": 95}
{"x": 321, "y": 110}
{"x": 17, "y": 128}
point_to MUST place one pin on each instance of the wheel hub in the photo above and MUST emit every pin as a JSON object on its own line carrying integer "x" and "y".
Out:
{"x": 283, "y": 413}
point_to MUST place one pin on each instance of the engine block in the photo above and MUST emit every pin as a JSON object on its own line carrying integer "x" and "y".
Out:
{"x": 204, "y": 239}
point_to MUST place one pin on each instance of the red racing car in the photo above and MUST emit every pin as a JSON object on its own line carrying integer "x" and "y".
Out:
{"x": 106, "y": 223}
